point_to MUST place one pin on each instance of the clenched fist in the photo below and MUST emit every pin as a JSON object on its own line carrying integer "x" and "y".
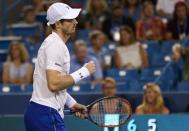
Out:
{"x": 91, "y": 67}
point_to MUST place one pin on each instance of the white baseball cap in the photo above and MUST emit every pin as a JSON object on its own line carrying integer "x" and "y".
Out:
{"x": 58, "y": 11}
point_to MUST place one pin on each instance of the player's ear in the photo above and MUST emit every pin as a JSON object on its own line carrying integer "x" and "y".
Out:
{"x": 58, "y": 24}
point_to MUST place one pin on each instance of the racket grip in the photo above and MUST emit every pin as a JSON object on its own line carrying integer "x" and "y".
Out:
{"x": 68, "y": 112}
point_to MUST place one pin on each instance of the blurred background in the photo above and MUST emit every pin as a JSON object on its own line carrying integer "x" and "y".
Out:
{"x": 140, "y": 48}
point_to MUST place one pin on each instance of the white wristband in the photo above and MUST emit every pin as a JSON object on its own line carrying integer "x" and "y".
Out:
{"x": 80, "y": 74}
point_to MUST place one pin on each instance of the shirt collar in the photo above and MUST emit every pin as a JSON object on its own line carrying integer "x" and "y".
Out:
{"x": 57, "y": 36}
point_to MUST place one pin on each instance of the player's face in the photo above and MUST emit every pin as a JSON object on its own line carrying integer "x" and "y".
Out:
{"x": 150, "y": 96}
{"x": 109, "y": 89}
{"x": 69, "y": 26}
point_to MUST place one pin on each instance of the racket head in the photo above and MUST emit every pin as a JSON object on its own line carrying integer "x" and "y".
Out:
{"x": 110, "y": 112}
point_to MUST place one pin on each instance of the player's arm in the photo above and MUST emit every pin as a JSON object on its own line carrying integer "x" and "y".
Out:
{"x": 57, "y": 81}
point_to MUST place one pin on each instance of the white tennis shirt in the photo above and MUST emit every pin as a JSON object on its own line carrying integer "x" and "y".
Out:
{"x": 54, "y": 55}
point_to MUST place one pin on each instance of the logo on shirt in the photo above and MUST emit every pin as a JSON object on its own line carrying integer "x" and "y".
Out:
{"x": 57, "y": 64}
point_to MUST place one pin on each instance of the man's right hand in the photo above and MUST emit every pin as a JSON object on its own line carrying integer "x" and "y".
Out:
{"x": 91, "y": 67}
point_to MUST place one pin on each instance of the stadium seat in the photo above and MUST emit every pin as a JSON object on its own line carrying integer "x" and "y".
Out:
{"x": 183, "y": 86}
{"x": 41, "y": 17}
{"x": 123, "y": 86}
{"x": 83, "y": 87}
{"x": 135, "y": 85}
{"x": 150, "y": 74}
{"x": 122, "y": 74}
{"x": 24, "y": 30}
{"x": 29, "y": 88}
{"x": 157, "y": 60}
{"x": 166, "y": 47}
{"x": 11, "y": 88}
{"x": 83, "y": 34}
{"x": 151, "y": 47}
{"x": 97, "y": 88}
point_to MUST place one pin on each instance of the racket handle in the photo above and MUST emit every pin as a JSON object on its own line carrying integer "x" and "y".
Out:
{"x": 68, "y": 112}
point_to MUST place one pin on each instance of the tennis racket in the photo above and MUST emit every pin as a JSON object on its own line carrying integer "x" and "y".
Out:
{"x": 108, "y": 112}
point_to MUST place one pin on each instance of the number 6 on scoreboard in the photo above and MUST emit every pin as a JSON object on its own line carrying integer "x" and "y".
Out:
{"x": 152, "y": 125}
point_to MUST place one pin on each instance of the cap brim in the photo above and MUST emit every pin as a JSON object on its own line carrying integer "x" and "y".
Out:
{"x": 72, "y": 14}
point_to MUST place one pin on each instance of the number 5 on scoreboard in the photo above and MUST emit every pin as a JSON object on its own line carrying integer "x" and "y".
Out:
{"x": 152, "y": 125}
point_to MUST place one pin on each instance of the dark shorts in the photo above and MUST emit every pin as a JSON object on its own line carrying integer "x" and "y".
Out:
{"x": 42, "y": 118}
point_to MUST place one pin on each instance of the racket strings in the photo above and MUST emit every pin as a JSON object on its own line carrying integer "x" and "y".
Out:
{"x": 115, "y": 110}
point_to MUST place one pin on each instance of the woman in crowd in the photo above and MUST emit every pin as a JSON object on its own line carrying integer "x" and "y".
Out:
{"x": 153, "y": 102}
{"x": 130, "y": 54}
{"x": 97, "y": 11}
{"x": 17, "y": 70}
{"x": 149, "y": 26}
{"x": 178, "y": 26}
{"x": 132, "y": 9}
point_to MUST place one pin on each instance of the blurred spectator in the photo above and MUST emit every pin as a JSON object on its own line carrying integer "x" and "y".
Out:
{"x": 149, "y": 26}
{"x": 29, "y": 15}
{"x": 38, "y": 5}
{"x": 179, "y": 52}
{"x": 130, "y": 54}
{"x": 97, "y": 11}
{"x": 153, "y": 102}
{"x": 80, "y": 58}
{"x": 132, "y": 9}
{"x": 98, "y": 38}
{"x": 112, "y": 24}
{"x": 154, "y": 2}
{"x": 32, "y": 42}
{"x": 17, "y": 70}
{"x": 109, "y": 87}
{"x": 165, "y": 8}
{"x": 178, "y": 27}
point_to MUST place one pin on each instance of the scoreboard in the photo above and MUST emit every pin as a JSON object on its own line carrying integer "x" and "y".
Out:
{"x": 157, "y": 123}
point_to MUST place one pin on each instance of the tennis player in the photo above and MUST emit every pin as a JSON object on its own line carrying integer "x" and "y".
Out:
{"x": 51, "y": 75}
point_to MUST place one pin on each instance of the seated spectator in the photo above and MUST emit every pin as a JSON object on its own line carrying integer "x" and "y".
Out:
{"x": 109, "y": 87}
{"x": 149, "y": 26}
{"x": 178, "y": 26}
{"x": 17, "y": 70}
{"x": 165, "y": 8}
{"x": 112, "y": 24}
{"x": 132, "y": 9}
{"x": 29, "y": 15}
{"x": 97, "y": 11}
{"x": 130, "y": 54}
{"x": 181, "y": 52}
{"x": 80, "y": 58}
{"x": 32, "y": 42}
{"x": 153, "y": 102}
{"x": 38, "y": 5}
{"x": 98, "y": 38}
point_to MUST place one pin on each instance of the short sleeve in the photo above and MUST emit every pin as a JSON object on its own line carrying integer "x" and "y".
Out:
{"x": 53, "y": 57}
